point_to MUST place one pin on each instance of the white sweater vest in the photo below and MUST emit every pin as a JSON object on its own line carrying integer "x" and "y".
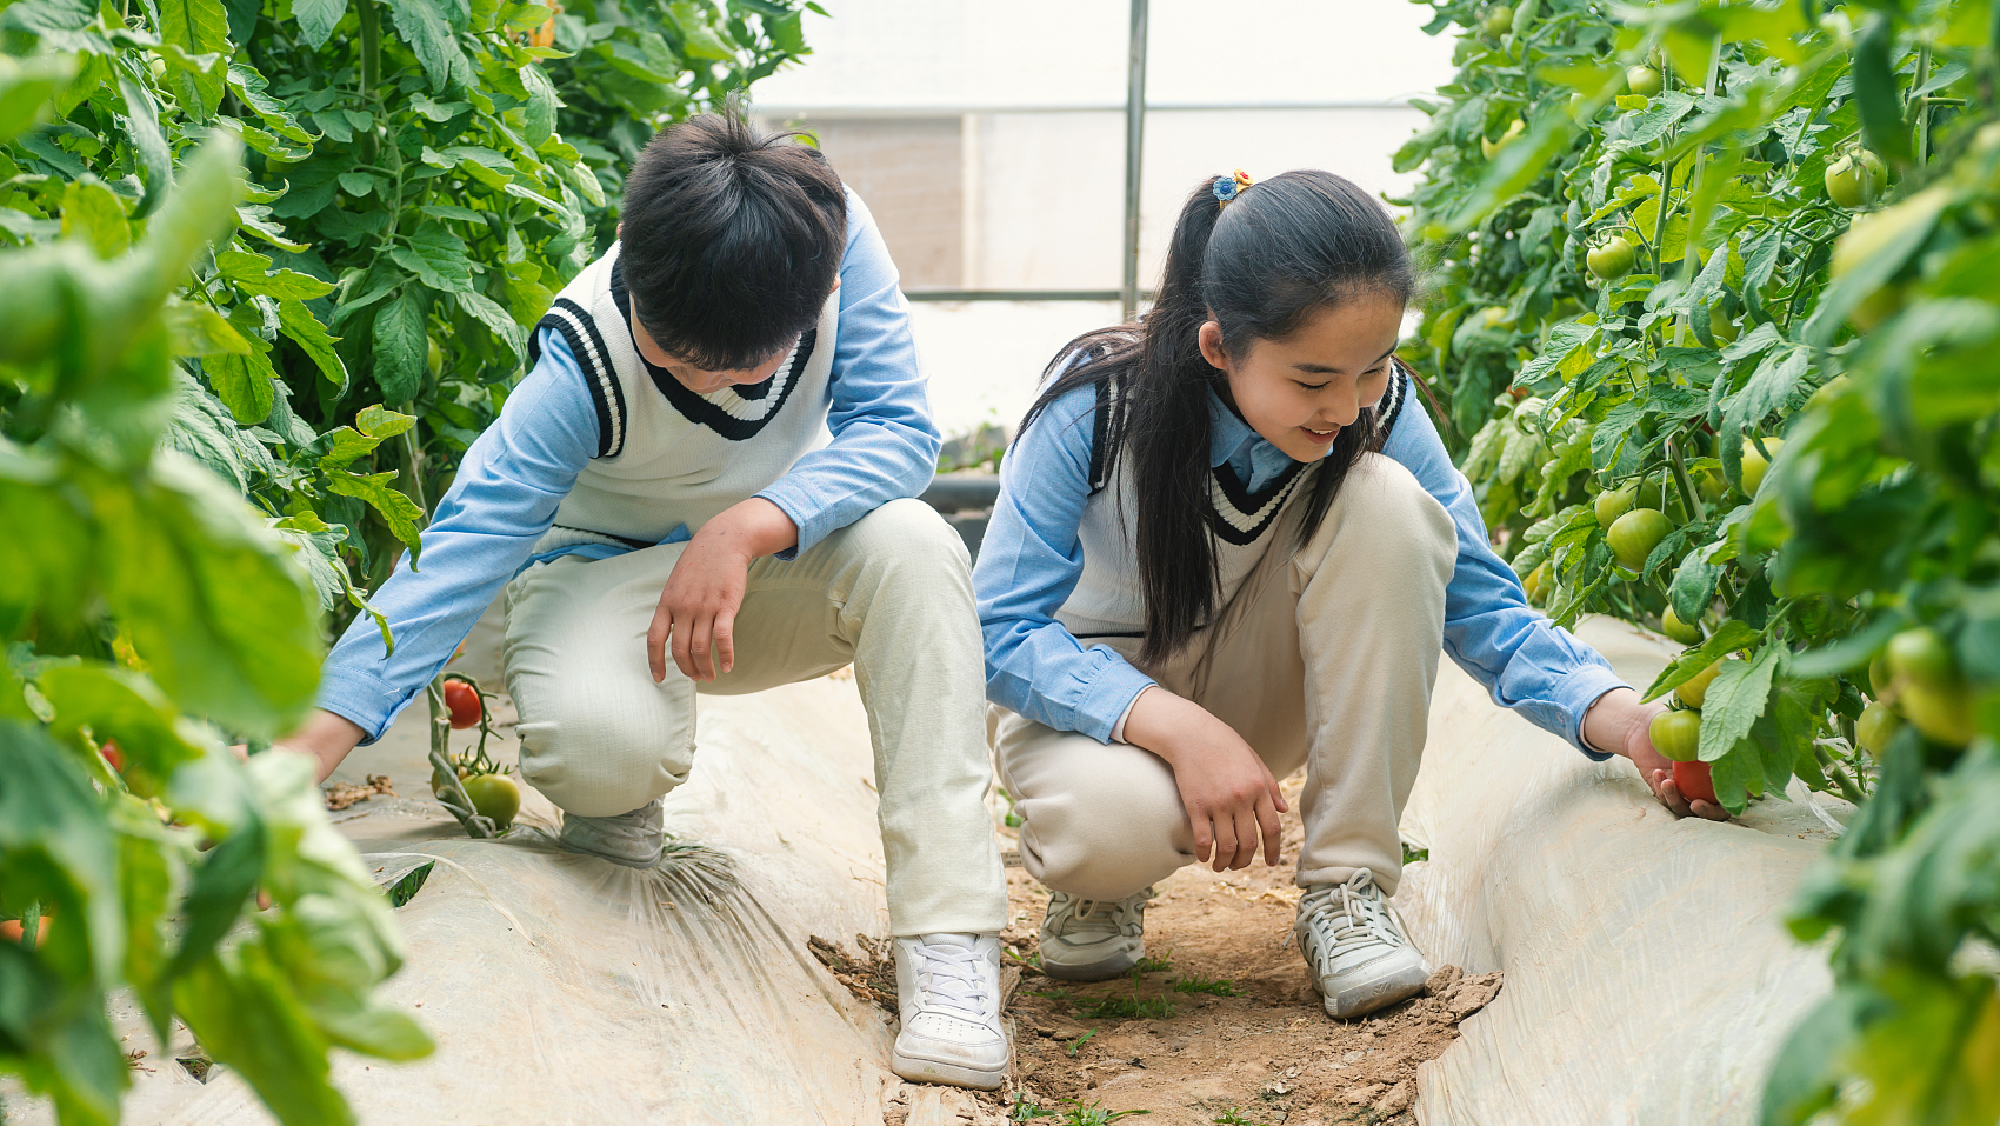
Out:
{"x": 667, "y": 456}
{"x": 1107, "y": 601}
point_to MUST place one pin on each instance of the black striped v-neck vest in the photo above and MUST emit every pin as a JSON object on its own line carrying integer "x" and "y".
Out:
{"x": 665, "y": 455}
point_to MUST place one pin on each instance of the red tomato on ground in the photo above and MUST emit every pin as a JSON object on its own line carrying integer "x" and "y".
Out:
{"x": 462, "y": 701}
{"x": 1692, "y": 779}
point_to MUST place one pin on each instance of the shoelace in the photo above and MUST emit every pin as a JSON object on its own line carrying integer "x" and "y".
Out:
{"x": 1352, "y": 914}
{"x": 950, "y": 979}
{"x": 1097, "y": 916}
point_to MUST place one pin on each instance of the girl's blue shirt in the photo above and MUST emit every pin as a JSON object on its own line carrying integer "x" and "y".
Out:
{"x": 1031, "y": 559}
{"x": 884, "y": 447}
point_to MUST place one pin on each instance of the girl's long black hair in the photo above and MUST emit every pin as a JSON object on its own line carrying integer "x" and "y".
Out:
{"x": 1285, "y": 249}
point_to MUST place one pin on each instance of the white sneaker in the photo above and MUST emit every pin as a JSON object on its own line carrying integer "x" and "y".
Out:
{"x": 1355, "y": 947}
{"x": 948, "y": 990}
{"x": 1093, "y": 939}
{"x": 633, "y": 839}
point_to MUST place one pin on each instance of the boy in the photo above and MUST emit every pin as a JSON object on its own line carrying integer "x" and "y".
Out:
{"x": 662, "y": 485}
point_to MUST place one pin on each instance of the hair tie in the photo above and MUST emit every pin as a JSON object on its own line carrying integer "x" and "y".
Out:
{"x": 1227, "y": 188}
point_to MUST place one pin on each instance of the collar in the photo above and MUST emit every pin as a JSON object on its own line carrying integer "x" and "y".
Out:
{"x": 1228, "y": 433}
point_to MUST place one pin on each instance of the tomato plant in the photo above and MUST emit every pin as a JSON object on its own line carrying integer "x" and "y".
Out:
{"x": 1801, "y": 358}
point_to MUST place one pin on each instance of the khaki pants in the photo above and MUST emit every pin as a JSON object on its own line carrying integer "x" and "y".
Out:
{"x": 1326, "y": 657}
{"x": 890, "y": 593}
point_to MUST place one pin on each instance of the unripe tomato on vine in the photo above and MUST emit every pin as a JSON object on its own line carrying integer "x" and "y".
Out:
{"x": 1643, "y": 80}
{"x": 1676, "y": 735}
{"x": 1499, "y": 20}
{"x": 1611, "y": 259}
{"x": 1857, "y": 179}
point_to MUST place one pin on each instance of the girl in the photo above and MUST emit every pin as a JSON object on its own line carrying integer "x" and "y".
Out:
{"x": 1227, "y": 544}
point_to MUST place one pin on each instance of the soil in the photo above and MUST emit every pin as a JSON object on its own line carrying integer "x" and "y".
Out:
{"x": 1258, "y": 1048}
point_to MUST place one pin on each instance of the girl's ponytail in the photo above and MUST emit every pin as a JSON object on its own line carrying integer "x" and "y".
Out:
{"x": 1278, "y": 253}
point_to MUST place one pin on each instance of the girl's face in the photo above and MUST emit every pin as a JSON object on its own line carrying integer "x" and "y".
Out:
{"x": 1298, "y": 392}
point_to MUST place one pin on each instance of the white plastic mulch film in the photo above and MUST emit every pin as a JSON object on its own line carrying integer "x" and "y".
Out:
{"x": 1649, "y": 979}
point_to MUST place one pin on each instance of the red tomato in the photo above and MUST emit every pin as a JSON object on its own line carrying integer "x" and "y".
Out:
{"x": 1692, "y": 779}
{"x": 113, "y": 755}
{"x": 462, "y": 701}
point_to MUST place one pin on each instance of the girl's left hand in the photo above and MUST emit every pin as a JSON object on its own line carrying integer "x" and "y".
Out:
{"x": 1618, "y": 723}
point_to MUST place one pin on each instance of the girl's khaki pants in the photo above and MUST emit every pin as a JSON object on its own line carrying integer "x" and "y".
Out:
{"x": 1326, "y": 657}
{"x": 890, "y": 593}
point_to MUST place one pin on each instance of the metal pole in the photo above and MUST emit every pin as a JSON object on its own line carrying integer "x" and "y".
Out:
{"x": 1135, "y": 142}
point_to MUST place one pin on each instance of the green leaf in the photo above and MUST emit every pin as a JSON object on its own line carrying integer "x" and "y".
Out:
{"x": 1694, "y": 584}
{"x": 437, "y": 257}
{"x": 243, "y": 382}
{"x": 497, "y": 320}
{"x": 224, "y": 617}
{"x": 356, "y": 183}
{"x": 701, "y": 40}
{"x": 401, "y": 348}
{"x": 317, "y": 19}
{"x": 92, "y": 214}
{"x": 539, "y": 115}
{"x": 149, "y": 143}
{"x": 222, "y": 885}
{"x": 297, "y": 322}
{"x": 378, "y": 491}
{"x": 1876, "y": 91}
{"x": 1728, "y": 637}
{"x": 249, "y": 273}
{"x": 26, "y": 87}
{"x": 1872, "y": 252}
{"x": 197, "y": 27}
{"x": 198, "y": 330}
{"x": 379, "y": 422}
{"x": 252, "y": 89}
{"x": 1736, "y": 697}
{"x": 430, "y": 37}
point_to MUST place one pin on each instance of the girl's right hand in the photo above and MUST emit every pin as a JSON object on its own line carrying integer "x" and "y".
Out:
{"x": 1230, "y": 796}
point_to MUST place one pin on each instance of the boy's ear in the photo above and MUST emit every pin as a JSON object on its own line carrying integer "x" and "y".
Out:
{"x": 1209, "y": 340}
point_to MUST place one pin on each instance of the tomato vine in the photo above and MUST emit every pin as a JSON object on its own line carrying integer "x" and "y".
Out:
{"x": 1791, "y": 373}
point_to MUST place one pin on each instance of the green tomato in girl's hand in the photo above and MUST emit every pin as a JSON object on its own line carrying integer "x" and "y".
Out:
{"x": 1676, "y": 735}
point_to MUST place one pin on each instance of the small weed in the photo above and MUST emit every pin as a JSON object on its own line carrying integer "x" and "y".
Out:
{"x": 1196, "y": 983}
{"x": 1233, "y": 1117}
{"x": 1152, "y": 966}
{"x": 1095, "y": 1114}
{"x": 1031, "y": 961}
{"x": 1023, "y": 1109}
{"x": 1050, "y": 994}
{"x": 1412, "y": 855}
{"x": 1080, "y": 1042}
{"x": 1101, "y": 1008}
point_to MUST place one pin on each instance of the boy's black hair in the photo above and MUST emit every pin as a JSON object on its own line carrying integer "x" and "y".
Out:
{"x": 731, "y": 240}
{"x": 1288, "y": 247}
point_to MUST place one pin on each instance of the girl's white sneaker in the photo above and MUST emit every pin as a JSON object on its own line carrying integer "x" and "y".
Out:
{"x": 948, "y": 990}
{"x": 1355, "y": 947}
{"x": 1093, "y": 939}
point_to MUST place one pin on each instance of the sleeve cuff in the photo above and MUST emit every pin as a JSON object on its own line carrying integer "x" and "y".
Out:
{"x": 1118, "y": 729}
{"x": 362, "y": 701}
{"x": 1582, "y": 689}
{"x": 813, "y": 521}
{"x": 1108, "y": 699}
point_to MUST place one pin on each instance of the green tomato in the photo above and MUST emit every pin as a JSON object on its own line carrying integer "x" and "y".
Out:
{"x": 1532, "y": 585}
{"x": 1611, "y": 259}
{"x": 1643, "y": 80}
{"x": 1634, "y": 535}
{"x": 1492, "y": 149}
{"x": 434, "y": 357}
{"x": 158, "y": 66}
{"x": 1677, "y": 735}
{"x": 1694, "y": 690}
{"x": 496, "y": 797}
{"x": 1710, "y": 484}
{"x": 1754, "y": 464}
{"x": 1921, "y": 657}
{"x": 1610, "y": 506}
{"x": 1687, "y": 633}
{"x": 1878, "y": 724}
{"x": 1499, "y": 20}
{"x": 1856, "y": 179}
{"x": 1943, "y": 714}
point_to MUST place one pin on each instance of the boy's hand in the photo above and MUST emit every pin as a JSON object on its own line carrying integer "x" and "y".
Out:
{"x": 1230, "y": 796}
{"x": 1618, "y": 723}
{"x": 697, "y": 610}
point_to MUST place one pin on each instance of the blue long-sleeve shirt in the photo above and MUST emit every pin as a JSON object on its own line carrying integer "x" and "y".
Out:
{"x": 884, "y": 447}
{"x": 1031, "y": 559}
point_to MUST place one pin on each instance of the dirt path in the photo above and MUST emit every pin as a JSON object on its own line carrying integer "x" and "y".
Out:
{"x": 1223, "y": 1027}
